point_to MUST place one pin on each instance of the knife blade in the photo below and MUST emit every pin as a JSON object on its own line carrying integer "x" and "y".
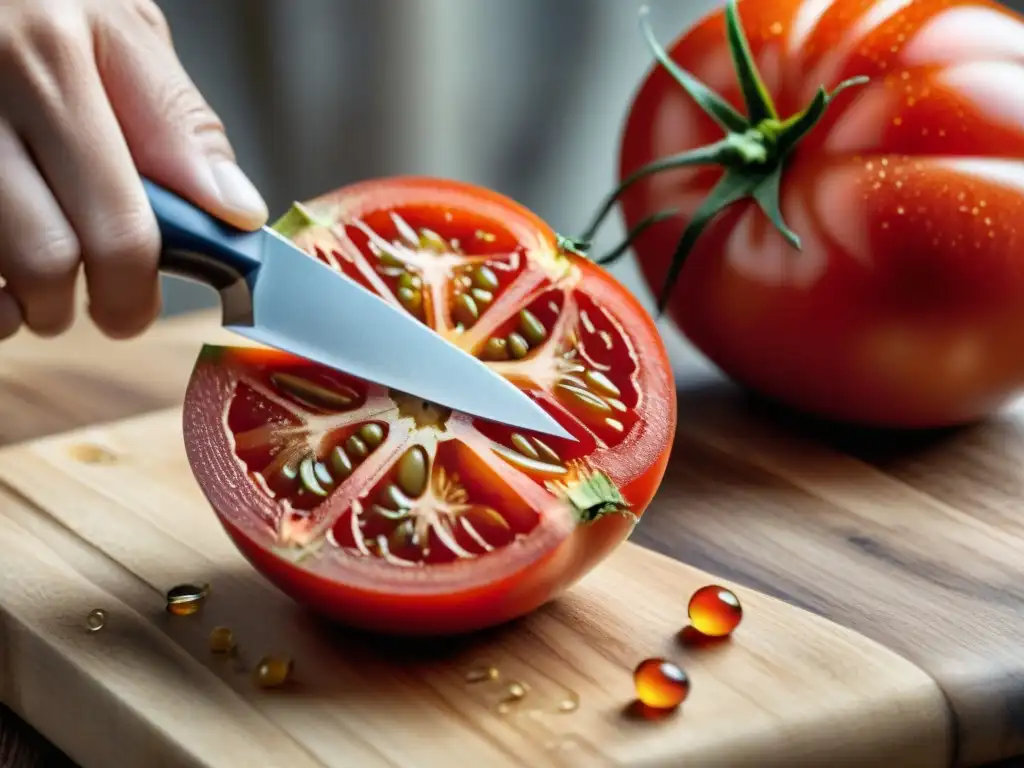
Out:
{"x": 276, "y": 294}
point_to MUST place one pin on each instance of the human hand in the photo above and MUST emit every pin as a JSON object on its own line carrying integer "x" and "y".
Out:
{"x": 91, "y": 96}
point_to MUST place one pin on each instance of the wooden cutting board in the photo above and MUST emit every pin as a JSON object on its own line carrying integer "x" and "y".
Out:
{"x": 110, "y": 517}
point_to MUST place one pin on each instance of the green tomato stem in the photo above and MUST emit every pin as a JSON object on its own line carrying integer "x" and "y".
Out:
{"x": 753, "y": 151}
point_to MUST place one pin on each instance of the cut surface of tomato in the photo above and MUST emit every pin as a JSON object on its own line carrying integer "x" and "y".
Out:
{"x": 391, "y": 513}
{"x": 903, "y": 305}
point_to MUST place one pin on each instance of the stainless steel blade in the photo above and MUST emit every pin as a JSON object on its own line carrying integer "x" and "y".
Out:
{"x": 304, "y": 307}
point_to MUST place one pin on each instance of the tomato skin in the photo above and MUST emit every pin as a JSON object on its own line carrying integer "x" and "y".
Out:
{"x": 462, "y": 596}
{"x": 904, "y": 306}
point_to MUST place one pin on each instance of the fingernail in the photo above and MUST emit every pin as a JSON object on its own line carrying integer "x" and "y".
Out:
{"x": 238, "y": 193}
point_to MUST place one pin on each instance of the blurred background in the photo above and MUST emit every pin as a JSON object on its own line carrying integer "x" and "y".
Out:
{"x": 523, "y": 96}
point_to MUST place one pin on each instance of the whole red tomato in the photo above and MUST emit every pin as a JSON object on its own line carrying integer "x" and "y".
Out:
{"x": 903, "y": 305}
{"x": 394, "y": 514}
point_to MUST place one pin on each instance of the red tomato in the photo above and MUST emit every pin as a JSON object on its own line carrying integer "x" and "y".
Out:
{"x": 905, "y": 305}
{"x": 396, "y": 515}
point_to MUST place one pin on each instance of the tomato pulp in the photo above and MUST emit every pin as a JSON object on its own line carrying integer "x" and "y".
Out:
{"x": 392, "y": 514}
{"x": 904, "y": 304}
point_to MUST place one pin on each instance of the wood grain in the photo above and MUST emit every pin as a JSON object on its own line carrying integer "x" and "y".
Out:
{"x": 789, "y": 689}
{"x": 52, "y": 385}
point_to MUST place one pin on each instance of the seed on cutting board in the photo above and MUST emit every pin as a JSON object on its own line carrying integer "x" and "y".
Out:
{"x": 307, "y": 475}
{"x": 601, "y": 384}
{"x": 660, "y": 684}
{"x": 517, "y": 346}
{"x": 372, "y": 434}
{"x": 341, "y": 464}
{"x": 413, "y": 471}
{"x": 570, "y": 703}
{"x": 715, "y": 611}
{"x": 88, "y": 453}
{"x": 482, "y": 674}
{"x": 273, "y": 671}
{"x": 496, "y": 349}
{"x": 484, "y": 278}
{"x": 356, "y": 448}
{"x": 466, "y": 310}
{"x": 531, "y": 328}
{"x": 222, "y": 640}
{"x": 515, "y": 691}
{"x": 96, "y": 619}
{"x": 186, "y": 599}
{"x": 523, "y": 445}
{"x": 311, "y": 393}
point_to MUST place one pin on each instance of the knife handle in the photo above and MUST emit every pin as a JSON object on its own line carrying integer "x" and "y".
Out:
{"x": 199, "y": 247}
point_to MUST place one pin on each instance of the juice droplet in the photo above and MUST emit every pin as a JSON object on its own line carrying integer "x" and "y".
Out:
{"x": 482, "y": 674}
{"x": 569, "y": 704}
{"x": 515, "y": 691}
{"x": 89, "y": 453}
{"x": 660, "y": 684}
{"x": 222, "y": 640}
{"x": 715, "y": 611}
{"x": 186, "y": 599}
{"x": 273, "y": 671}
{"x": 96, "y": 619}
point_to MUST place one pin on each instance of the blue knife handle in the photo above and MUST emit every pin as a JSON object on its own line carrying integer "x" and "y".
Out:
{"x": 199, "y": 247}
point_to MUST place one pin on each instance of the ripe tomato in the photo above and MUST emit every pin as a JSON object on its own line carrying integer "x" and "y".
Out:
{"x": 393, "y": 514}
{"x": 905, "y": 305}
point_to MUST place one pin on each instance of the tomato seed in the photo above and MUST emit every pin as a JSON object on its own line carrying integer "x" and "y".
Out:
{"x": 413, "y": 471}
{"x": 466, "y": 310}
{"x": 410, "y": 281}
{"x": 522, "y": 444}
{"x": 496, "y": 349}
{"x": 323, "y": 475}
{"x": 586, "y": 398}
{"x": 356, "y": 448}
{"x": 341, "y": 463}
{"x": 403, "y": 535}
{"x": 308, "y": 478}
{"x": 487, "y": 237}
{"x": 517, "y": 346}
{"x": 484, "y": 278}
{"x": 481, "y": 296}
{"x": 547, "y": 452}
{"x": 388, "y": 259}
{"x": 313, "y": 394}
{"x": 372, "y": 434}
{"x": 601, "y": 383}
{"x": 411, "y": 299}
{"x": 430, "y": 240}
{"x": 531, "y": 327}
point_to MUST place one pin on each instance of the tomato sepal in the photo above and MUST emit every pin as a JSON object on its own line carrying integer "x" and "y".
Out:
{"x": 592, "y": 495}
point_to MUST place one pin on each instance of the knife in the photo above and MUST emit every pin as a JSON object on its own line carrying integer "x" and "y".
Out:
{"x": 274, "y": 293}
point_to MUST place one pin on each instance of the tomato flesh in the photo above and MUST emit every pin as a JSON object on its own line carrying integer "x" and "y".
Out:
{"x": 390, "y": 513}
{"x": 903, "y": 307}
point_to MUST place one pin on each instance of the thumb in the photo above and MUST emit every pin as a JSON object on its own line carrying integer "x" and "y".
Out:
{"x": 174, "y": 136}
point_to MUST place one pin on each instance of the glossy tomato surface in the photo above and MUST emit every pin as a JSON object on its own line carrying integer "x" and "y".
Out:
{"x": 905, "y": 306}
{"x": 393, "y": 514}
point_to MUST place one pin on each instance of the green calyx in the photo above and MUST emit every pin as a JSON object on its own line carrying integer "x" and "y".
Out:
{"x": 294, "y": 221}
{"x": 592, "y": 495}
{"x": 753, "y": 151}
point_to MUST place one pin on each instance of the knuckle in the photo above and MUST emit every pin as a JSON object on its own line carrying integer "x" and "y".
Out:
{"x": 152, "y": 15}
{"x": 52, "y": 258}
{"x": 126, "y": 241}
{"x": 54, "y": 32}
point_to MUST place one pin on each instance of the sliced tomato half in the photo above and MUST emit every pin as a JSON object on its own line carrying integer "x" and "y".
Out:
{"x": 393, "y": 514}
